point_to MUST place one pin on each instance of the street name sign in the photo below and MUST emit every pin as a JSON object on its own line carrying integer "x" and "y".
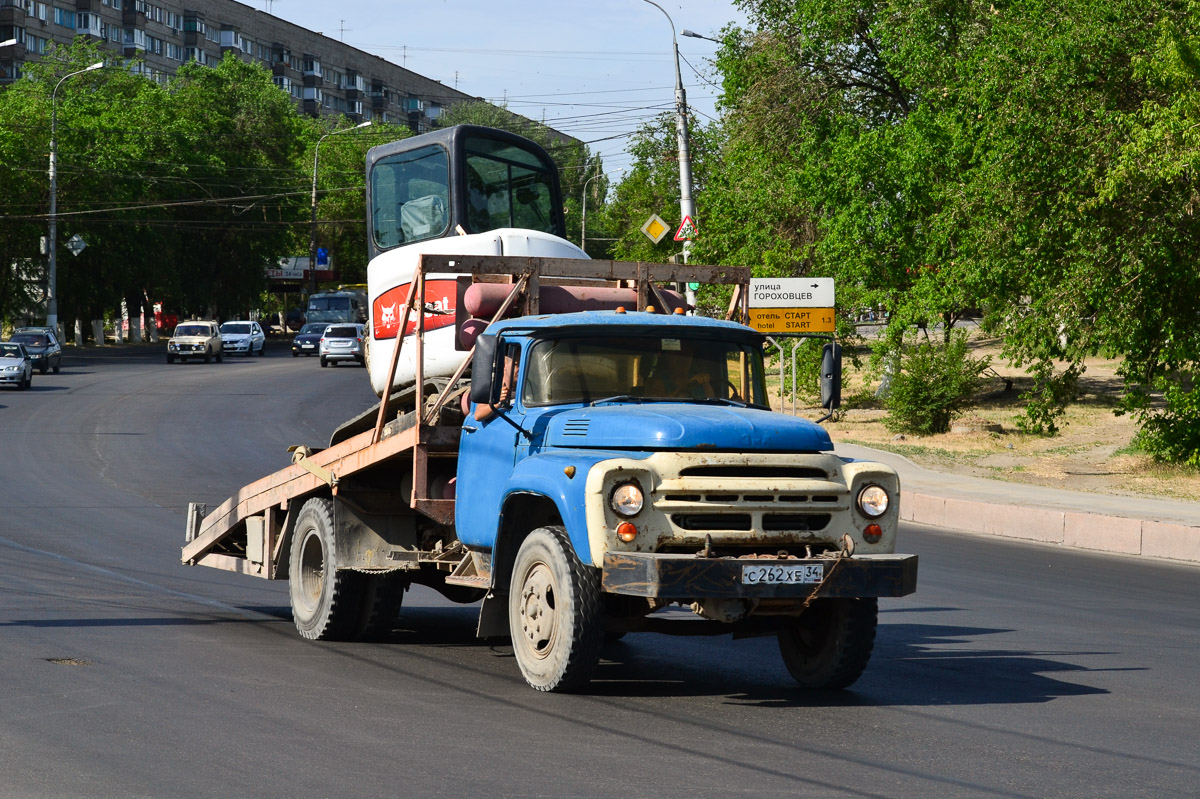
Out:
{"x": 792, "y": 305}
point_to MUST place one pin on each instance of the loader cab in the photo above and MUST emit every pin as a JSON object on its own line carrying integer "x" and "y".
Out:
{"x": 464, "y": 179}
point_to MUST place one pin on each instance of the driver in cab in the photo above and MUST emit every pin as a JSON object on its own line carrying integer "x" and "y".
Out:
{"x": 678, "y": 374}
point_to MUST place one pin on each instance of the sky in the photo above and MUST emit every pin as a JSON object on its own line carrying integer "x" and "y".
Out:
{"x": 592, "y": 70}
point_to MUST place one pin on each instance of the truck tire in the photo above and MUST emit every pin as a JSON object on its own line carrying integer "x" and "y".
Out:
{"x": 381, "y": 596}
{"x": 554, "y": 612}
{"x": 326, "y": 603}
{"x": 829, "y": 645}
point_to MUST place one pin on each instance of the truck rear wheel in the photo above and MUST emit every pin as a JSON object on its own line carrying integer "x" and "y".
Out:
{"x": 554, "y": 612}
{"x": 326, "y": 603}
{"x": 829, "y": 645}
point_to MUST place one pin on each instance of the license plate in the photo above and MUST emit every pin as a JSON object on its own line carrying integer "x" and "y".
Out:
{"x": 780, "y": 574}
{"x": 307, "y": 346}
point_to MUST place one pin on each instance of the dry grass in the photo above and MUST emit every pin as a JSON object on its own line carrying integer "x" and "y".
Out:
{"x": 1092, "y": 452}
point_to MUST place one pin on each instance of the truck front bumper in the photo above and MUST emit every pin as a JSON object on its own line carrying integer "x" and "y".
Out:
{"x": 688, "y": 577}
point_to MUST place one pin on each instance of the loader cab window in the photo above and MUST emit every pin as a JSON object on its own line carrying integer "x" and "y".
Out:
{"x": 507, "y": 186}
{"x": 410, "y": 195}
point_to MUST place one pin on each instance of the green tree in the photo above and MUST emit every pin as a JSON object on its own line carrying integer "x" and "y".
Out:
{"x": 1030, "y": 159}
{"x": 651, "y": 186}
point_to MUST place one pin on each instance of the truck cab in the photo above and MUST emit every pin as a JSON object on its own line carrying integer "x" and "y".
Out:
{"x": 615, "y": 463}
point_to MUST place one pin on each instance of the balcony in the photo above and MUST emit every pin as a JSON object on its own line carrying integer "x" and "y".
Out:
{"x": 12, "y": 14}
{"x": 85, "y": 5}
{"x": 131, "y": 17}
{"x": 13, "y": 52}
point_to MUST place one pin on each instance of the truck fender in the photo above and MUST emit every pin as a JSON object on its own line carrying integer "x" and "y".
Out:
{"x": 544, "y": 475}
{"x": 522, "y": 513}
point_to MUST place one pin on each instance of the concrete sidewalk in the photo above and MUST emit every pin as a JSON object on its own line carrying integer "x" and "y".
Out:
{"x": 1154, "y": 528}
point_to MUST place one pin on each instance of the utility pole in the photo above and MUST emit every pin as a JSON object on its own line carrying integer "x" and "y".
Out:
{"x": 687, "y": 206}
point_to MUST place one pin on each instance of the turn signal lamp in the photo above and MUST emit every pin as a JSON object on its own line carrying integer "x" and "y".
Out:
{"x": 627, "y": 531}
{"x": 872, "y": 533}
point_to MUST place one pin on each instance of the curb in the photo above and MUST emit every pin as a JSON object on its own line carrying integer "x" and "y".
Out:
{"x": 1093, "y": 531}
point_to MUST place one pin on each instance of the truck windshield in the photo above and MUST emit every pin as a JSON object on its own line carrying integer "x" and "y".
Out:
{"x": 653, "y": 368}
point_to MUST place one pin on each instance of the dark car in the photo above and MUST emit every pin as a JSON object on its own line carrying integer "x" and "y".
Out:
{"x": 308, "y": 339}
{"x": 45, "y": 353}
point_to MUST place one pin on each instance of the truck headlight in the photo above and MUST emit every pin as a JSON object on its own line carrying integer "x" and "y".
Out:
{"x": 627, "y": 499}
{"x": 873, "y": 501}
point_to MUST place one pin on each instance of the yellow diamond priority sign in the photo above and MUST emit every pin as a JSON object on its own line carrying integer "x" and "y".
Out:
{"x": 655, "y": 228}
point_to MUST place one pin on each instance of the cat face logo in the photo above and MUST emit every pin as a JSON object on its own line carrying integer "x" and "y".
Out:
{"x": 385, "y": 316}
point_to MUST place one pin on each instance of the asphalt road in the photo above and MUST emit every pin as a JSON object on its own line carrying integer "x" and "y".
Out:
{"x": 1015, "y": 671}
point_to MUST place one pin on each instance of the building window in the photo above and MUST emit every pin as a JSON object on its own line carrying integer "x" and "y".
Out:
{"x": 312, "y": 66}
{"x": 64, "y": 17}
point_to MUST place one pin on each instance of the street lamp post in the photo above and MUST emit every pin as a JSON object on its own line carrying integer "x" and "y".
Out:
{"x": 52, "y": 244}
{"x": 687, "y": 207}
{"x": 583, "y": 202}
{"x": 312, "y": 230}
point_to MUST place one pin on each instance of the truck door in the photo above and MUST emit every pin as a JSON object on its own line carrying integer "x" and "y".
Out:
{"x": 487, "y": 451}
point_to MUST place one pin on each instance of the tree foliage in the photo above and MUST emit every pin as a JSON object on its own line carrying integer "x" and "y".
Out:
{"x": 1031, "y": 159}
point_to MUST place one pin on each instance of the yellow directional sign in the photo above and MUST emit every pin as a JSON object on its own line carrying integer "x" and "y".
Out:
{"x": 792, "y": 320}
{"x": 655, "y": 228}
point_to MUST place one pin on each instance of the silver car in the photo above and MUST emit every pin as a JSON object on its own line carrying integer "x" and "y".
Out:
{"x": 342, "y": 342}
{"x": 15, "y": 366}
{"x": 243, "y": 338}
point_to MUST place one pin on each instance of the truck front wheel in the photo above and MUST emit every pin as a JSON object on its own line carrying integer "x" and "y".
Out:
{"x": 829, "y": 645}
{"x": 326, "y": 603}
{"x": 554, "y": 612}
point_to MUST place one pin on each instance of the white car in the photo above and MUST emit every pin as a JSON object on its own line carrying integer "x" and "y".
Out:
{"x": 15, "y": 365}
{"x": 243, "y": 338}
{"x": 195, "y": 339}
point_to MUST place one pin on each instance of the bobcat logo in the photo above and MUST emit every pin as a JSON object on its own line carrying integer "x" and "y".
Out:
{"x": 387, "y": 316}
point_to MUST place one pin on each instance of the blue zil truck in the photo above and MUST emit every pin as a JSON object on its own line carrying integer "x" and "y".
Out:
{"x": 594, "y": 461}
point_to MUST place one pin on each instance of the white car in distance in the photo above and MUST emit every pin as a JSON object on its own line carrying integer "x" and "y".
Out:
{"x": 243, "y": 338}
{"x": 15, "y": 365}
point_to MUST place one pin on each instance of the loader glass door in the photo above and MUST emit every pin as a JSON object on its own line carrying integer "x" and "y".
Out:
{"x": 508, "y": 186}
{"x": 410, "y": 196}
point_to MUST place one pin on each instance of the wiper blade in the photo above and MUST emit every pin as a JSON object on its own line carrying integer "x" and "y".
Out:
{"x": 720, "y": 401}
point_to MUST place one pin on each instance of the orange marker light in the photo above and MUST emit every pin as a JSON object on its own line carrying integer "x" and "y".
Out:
{"x": 873, "y": 533}
{"x": 626, "y": 531}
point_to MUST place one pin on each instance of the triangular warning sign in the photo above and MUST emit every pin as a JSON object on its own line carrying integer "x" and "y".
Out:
{"x": 687, "y": 230}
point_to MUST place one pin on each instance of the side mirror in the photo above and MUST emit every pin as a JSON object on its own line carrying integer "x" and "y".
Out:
{"x": 483, "y": 370}
{"x": 831, "y": 376}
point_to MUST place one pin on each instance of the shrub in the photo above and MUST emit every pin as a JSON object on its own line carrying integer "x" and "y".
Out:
{"x": 933, "y": 385}
{"x": 1170, "y": 432}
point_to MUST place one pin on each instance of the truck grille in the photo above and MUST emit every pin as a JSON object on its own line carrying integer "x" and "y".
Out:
{"x": 735, "y": 522}
{"x": 741, "y": 472}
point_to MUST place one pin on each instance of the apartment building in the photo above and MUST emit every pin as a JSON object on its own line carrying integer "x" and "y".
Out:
{"x": 324, "y": 76}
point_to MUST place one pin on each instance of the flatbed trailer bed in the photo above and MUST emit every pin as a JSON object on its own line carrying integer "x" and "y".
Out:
{"x": 247, "y": 533}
